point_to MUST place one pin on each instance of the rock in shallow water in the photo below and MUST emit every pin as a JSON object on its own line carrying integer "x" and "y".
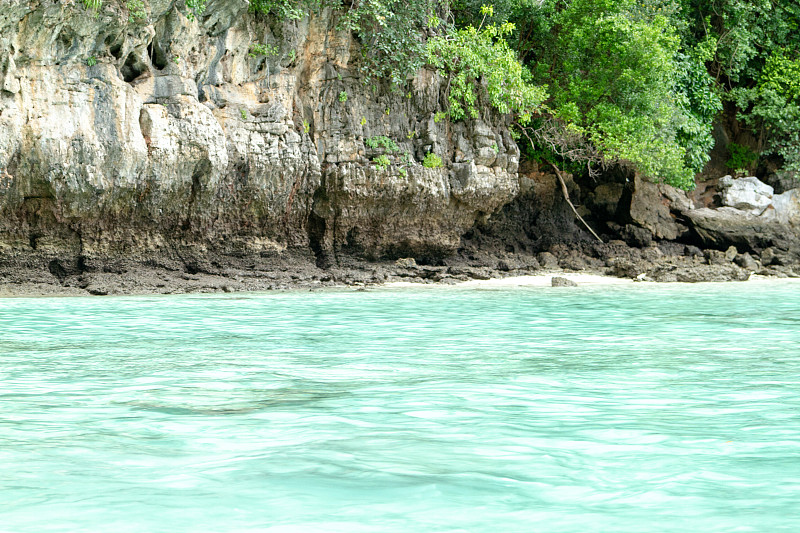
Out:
{"x": 562, "y": 282}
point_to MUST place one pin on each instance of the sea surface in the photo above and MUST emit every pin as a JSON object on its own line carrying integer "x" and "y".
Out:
{"x": 636, "y": 408}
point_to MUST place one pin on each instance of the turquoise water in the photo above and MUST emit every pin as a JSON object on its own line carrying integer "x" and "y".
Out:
{"x": 618, "y": 409}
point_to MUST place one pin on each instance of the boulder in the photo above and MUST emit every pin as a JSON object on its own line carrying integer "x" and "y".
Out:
{"x": 727, "y": 226}
{"x": 637, "y": 236}
{"x": 650, "y": 211}
{"x": 698, "y": 273}
{"x": 747, "y": 194}
{"x": 753, "y": 220}
{"x": 747, "y": 262}
{"x": 785, "y": 208}
{"x": 716, "y": 257}
{"x": 562, "y": 282}
{"x": 406, "y": 262}
{"x": 547, "y": 260}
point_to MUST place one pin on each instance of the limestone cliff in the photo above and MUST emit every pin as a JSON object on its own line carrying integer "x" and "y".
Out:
{"x": 139, "y": 137}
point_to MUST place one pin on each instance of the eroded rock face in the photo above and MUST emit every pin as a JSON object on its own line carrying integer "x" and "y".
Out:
{"x": 173, "y": 136}
{"x": 755, "y": 228}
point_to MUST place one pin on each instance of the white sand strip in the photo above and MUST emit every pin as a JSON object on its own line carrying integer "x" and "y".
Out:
{"x": 538, "y": 280}
{"x": 545, "y": 280}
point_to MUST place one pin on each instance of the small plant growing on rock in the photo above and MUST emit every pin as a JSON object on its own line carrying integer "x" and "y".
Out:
{"x": 343, "y": 96}
{"x": 94, "y": 5}
{"x": 381, "y": 141}
{"x": 92, "y": 61}
{"x": 195, "y": 8}
{"x": 259, "y": 50}
{"x": 382, "y": 162}
{"x": 243, "y": 113}
{"x": 306, "y": 126}
{"x": 439, "y": 116}
{"x": 136, "y": 10}
{"x": 432, "y": 161}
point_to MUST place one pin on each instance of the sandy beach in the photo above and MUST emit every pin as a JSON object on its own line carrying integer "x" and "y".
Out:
{"x": 581, "y": 279}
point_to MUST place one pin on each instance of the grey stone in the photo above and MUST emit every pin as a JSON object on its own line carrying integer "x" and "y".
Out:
{"x": 768, "y": 256}
{"x": 747, "y": 262}
{"x": 699, "y": 273}
{"x": 717, "y": 257}
{"x": 406, "y": 262}
{"x": 649, "y": 211}
{"x": 727, "y": 226}
{"x": 637, "y": 236}
{"x": 547, "y": 260}
{"x": 562, "y": 282}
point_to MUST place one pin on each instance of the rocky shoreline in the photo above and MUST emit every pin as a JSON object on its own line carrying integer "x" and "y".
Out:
{"x": 176, "y": 160}
{"x": 667, "y": 262}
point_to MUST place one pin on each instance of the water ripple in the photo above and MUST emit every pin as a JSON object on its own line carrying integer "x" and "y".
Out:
{"x": 625, "y": 409}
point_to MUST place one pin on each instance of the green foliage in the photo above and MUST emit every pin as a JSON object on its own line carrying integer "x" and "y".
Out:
{"x": 432, "y": 161}
{"x": 91, "y": 61}
{"x": 195, "y": 8}
{"x": 381, "y": 141}
{"x": 243, "y": 113}
{"x": 699, "y": 103}
{"x": 136, "y": 11}
{"x": 614, "y": 80}
{"x": 530, "y": 18}
{"x": 633, "y": 81}
{"x": 474, "y": 56}
{"x": 391, "y": 31}
{"x": 392, "y": 34}
{"x": 742, "y": 157}
{"x": 284, "y": 9}
{"x": 755, "y": 65}
{"x": 260, "y": 50}
{"x": 94, "y": 5}
{"x": 382, "y": 162}
{"x": 772, "y": 107}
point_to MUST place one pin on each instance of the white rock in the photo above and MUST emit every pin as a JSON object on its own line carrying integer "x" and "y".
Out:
{"x": 746, "y": 194}
{"x": 786, "y": 207}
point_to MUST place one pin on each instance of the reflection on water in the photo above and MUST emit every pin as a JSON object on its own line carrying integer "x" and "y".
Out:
{"x": 625, "y": 408}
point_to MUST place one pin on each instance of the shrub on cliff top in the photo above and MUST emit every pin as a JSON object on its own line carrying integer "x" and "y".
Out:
{"x": 475, "y": 57}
